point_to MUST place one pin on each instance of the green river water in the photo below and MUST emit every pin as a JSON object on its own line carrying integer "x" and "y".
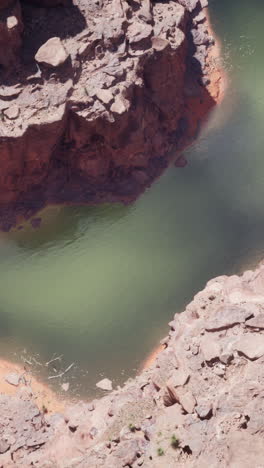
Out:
{"x": 99, "y": 284}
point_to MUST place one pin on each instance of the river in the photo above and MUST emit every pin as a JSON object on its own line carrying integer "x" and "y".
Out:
{"x": 99, "y": 284}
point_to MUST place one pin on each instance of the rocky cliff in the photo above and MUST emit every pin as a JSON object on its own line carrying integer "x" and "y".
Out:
{"x": 94, "y": 95}
{"x": 200, "y": 404}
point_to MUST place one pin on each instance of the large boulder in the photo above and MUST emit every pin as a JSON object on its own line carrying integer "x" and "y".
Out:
{"x": 52, "y": 53}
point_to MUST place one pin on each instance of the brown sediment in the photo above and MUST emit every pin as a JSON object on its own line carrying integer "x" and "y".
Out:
{"x": 151, "y": 358}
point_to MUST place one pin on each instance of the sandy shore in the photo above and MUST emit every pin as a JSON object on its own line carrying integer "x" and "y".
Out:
{"x": 44, "y": 397}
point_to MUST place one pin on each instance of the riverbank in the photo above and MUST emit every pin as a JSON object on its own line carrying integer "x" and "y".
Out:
{"x": 199, "y": 404}
{"x": 16, "y": 379}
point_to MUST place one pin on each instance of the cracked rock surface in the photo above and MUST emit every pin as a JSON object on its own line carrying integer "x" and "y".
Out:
{"x": 94, "y": 95}
{"x": 200, "y": 403}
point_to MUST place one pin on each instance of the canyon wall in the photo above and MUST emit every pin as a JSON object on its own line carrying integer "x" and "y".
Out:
{"x": 94, "y": 96}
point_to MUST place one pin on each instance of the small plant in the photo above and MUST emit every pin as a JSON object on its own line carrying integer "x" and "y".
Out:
{"x": 159, "y": 434}
{"x": 132, "y": 427}
{"x": 44, "y": 409}
{"x": 160, "y": 452}
{"x": 175, "y": 442}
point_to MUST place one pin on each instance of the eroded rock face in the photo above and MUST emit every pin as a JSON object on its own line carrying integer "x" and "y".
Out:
{"x": 98, "y": 94}
{"x": 199, "y": 405}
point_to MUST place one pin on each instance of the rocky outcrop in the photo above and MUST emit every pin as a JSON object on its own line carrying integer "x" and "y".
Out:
{"x": 199, "y": 404}
{"x": 95, "y": 96}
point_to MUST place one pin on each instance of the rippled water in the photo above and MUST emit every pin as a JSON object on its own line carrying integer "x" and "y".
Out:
{"x": 98, "y": 284}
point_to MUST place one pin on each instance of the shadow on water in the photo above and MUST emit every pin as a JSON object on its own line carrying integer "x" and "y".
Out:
{"x": 61, "y": 225}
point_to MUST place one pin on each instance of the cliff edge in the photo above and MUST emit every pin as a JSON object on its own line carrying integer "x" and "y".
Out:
{"x": 94, "y": 95}
{"x": 199, "y": 404}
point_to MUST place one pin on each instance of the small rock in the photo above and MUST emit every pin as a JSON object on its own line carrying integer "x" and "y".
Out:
{"x": 219, "y": 371}
{"x": 187, "y": 401}
{"x": 93, "y": 432}
{"x": 13, "y": 379}
{"x": 251, "y": 345}
{"x": 226, "y": 317}
{"x": 105, "y": 384}
{"x": 12, "y": 112}
{"x": 52, "y": 53}
{"x": 127, "y": 453}
{"x": 11, "y": 22}
{"x": 226, "y": 357}
{"x": 256, "y": 322}
{"x": 189, "y": 4}
{"x": 104, "y": 95}
{"x": 4, "y": 446}
{"x": 181, "y": 162}
{"x": 204, "y": 409}
{"x": 210, "y": 348}
{"x": 118, "y": 107}
{"x": 179, "y": 378}
{"x": 138, "y": 32}
{"x": 159, "y": 43}
{"x": 90, "y": 407}
{"x": 200, "y": 18}
{"x": 65, "y": 386}
{"x": 10, "y": 92}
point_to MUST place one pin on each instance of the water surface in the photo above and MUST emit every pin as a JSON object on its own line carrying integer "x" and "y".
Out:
{"x": 99, "y": 284}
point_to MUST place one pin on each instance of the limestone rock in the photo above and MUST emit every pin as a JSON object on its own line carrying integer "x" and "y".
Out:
{"x": 189, "y": 4}
{"x": 210, "y": 347}
{"x": 186, "y": 400}
{"x": 227, "y": 316}
{"x": 52, "y": 53}
{"x": 251, "y": 345}
{"x": 256, "y": 322}
{"x": 179, "y": 378}
{"x": 13, "y": 379}
{"x": 204, "y": 409}
{"x": 11, "y": 22}
{"x": 4, "y": 446}
{"x": 138, "y": 32}
{"x": 65, "y": 386}
{"x": 104, "y": 95}
{"x": 118, "y": 107}
{"x": 12, "y": 112}
{"x": 105, "y": 384}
